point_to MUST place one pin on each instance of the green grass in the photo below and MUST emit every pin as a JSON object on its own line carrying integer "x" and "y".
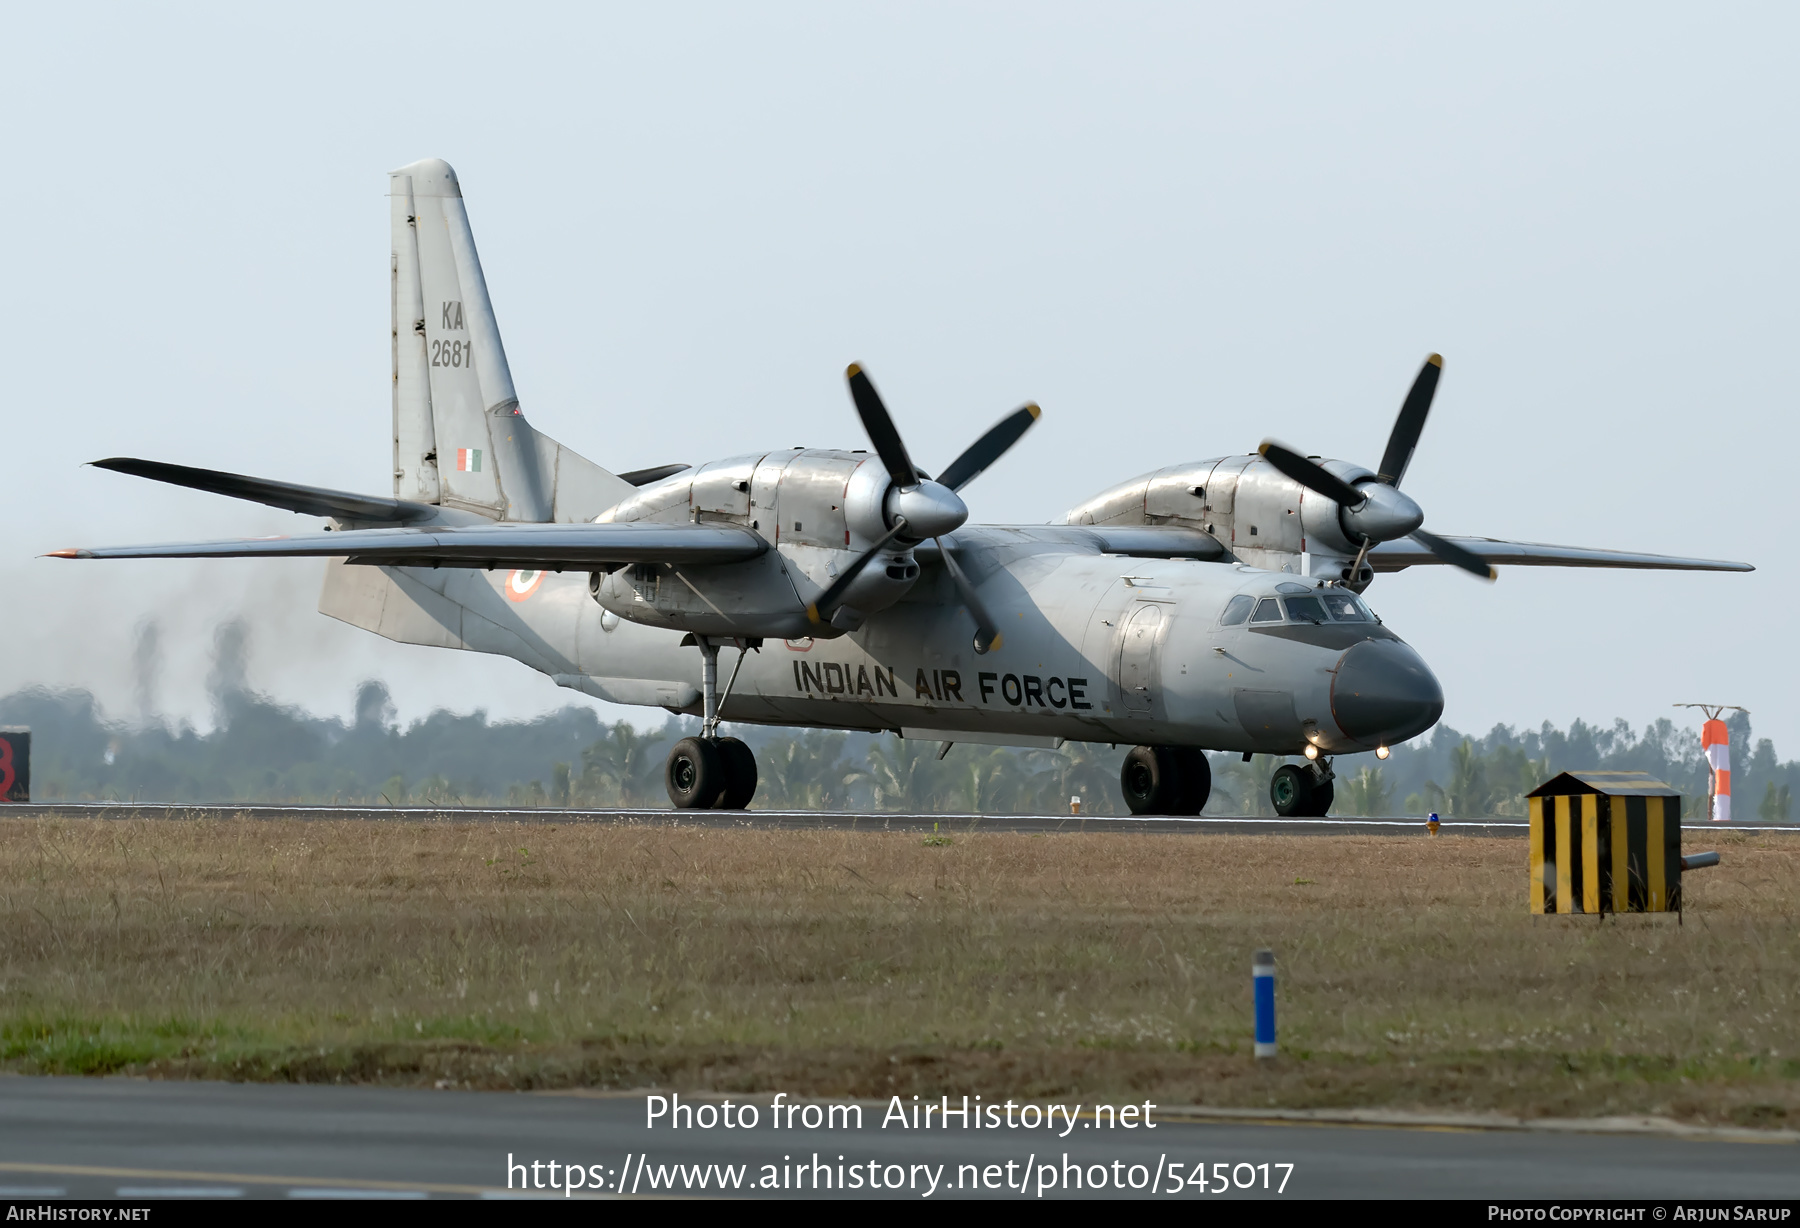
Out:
{"x": 870, "y": 963}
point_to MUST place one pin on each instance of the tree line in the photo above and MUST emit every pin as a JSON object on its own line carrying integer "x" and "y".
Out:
{"x": 259, "y": 750}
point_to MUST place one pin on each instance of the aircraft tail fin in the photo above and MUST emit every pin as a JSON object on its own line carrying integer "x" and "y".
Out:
{"x": 460, "y": 439}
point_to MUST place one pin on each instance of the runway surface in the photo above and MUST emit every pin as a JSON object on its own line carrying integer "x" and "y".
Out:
{"x": 105, "y": 1138}
{"x": 812, "y": 819}
{"x": 780, "y": 819}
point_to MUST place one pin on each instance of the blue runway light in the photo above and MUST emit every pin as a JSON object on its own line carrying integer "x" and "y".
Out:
{"x": 1262, "y": 973}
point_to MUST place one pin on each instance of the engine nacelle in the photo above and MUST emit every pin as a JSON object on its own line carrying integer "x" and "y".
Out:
{"x": 820, "y": 510}
{"x": 752, "y": 599}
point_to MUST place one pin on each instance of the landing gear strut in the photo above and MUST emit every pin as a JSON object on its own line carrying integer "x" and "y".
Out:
{"x": 1173, "y": 780}
{"x": 1302, "y": 791}
{"x": 710, "y": 772}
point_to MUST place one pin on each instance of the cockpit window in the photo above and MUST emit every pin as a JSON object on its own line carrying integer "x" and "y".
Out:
{"x": 1345, "y": 607}
{"x": 1268, "y": 610}
{"x": 1305, "y": 610}
{"x": 1236, "y": 610}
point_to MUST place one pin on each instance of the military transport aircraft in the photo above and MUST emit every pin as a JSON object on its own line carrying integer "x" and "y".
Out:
{"x": 1207, "y": 606}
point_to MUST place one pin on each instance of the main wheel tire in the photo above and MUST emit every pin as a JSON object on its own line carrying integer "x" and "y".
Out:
{"x": 694, "y": 775}
{"x": 1291, "y": 791}
{"x": 740, "y": 774}
{"x": 1151, "y": 780}
{"x": 1196, "y": 780}
{"x": 1322, "y": 797}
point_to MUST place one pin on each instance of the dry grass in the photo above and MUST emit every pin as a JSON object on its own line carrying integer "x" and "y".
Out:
{"x": 868, "y": 963}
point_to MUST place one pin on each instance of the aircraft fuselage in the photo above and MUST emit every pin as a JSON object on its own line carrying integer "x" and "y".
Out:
{"x": 1095, "y": 647}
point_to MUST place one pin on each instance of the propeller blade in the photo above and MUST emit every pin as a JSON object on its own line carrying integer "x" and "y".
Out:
{"x": 1310, "y": 474}
{"x": 1411, "y": 422}
{"x": 880, "y": 428}
{"x": 1455, "y": 555}
{"x": 987, "y": 632}
{"x": 990, "y": 447}
{"x": 819, "y": 612}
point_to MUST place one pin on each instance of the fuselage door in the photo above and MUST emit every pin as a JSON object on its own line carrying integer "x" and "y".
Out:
{"x": 1137, "y": 658}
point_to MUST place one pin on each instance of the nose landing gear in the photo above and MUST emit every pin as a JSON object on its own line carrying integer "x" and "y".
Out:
{"x": 1302, "y": 791}
{"x": 1171, "y": 780}
{"x": 710, "y": 772}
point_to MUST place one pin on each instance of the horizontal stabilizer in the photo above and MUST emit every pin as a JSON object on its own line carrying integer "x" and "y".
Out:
{"x": 544, "y": 546}
{"x": 289, "y": 496}
{"x": 643, "y": 477}
{"x": 1395, "y": 555}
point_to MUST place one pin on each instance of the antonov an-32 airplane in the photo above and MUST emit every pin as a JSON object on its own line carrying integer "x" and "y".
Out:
{"x": 1207, "y": 606}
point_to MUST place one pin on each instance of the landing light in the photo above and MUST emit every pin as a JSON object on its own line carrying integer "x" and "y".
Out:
{"x": 1382, "y": 752}
{"x": 1312, "y": 752}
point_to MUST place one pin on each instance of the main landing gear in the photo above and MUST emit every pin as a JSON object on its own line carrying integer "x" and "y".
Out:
{"x": 1173, "y": 780}
{"x": 710, "y": 772}
{"x": 1176, "y": 780}
{"x": 1302, "y": 790}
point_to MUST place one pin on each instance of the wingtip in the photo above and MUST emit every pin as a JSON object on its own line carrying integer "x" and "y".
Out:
{"x": 68, "y": 554}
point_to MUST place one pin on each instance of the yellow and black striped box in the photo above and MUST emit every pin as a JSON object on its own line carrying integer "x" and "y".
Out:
{"x": 1605, "y": 842}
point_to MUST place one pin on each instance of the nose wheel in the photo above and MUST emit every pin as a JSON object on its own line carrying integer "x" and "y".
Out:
{"x": 1302, "y": 791}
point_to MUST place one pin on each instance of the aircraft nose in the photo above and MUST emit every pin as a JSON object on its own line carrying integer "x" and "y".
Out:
{"x": 1384, "y": 692}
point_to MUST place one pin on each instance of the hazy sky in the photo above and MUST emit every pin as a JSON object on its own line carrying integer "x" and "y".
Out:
{"x": 1179, "y": 228}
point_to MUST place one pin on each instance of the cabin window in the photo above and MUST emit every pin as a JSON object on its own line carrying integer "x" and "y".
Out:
{"x": 1268, "y": 610}
{"x": 1345, "y": 607}
{"x": 1305, "y": 610}
{"x": 1237, "y": 610}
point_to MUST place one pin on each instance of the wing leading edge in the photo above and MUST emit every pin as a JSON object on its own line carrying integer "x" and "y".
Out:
{"x": 544, "y": 546}
{"x": 1396, "y": 555}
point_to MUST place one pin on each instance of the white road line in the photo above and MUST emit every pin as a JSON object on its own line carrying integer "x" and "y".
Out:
{"x": 312, "y": 1192}
{"x": 31, "y": 1191}
{"x": 177, "y": 1191}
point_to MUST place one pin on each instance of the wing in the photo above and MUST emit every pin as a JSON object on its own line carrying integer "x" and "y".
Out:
{"x": 1395, "y": 555}
{"x": 1149, "y": 541}
{"x": 1145, "y": 541}
{"x": 545, "y": 546}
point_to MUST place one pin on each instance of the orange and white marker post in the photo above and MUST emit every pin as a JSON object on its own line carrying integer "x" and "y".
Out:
{"x": 1715, "y": 741}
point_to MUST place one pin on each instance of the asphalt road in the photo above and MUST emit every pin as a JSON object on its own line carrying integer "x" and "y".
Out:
{"x": 106, "y": 1138}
